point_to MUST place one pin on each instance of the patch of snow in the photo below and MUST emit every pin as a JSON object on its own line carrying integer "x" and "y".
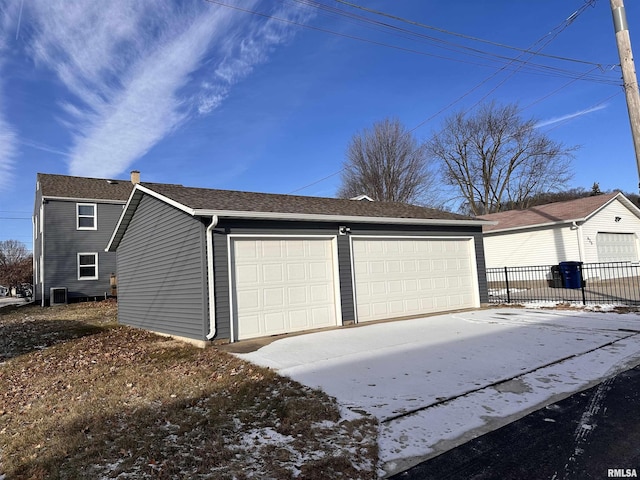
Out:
{"x": 435, "y": 381}
{"x": 502, "y": 292}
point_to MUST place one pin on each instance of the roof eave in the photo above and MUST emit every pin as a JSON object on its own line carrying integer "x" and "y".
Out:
{"x": 139, "y": 190}
{"x": 83, "y": 199}
{"x": 336, "y": 218}
{"x": 534, "y": 225}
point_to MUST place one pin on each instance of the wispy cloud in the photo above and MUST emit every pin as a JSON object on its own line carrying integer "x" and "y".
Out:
{"x": 8, "y": 137}
{"x": 571, "y": 116}
{"x": 137, "y": 70}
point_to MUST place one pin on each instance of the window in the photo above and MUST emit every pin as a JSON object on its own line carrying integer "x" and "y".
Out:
{"x": 87, "y": 266}
{"x": 87, "y": 216}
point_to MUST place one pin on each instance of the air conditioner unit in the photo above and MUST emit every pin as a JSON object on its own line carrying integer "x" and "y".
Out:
{"x": 57, "y": 296}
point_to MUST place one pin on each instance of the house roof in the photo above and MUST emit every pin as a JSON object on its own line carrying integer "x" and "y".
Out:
{"x": 252, "y": 205}
{"x": 67, "y": 187}
{"x": 251, "y": 202}
{"x": 577, "y": 210}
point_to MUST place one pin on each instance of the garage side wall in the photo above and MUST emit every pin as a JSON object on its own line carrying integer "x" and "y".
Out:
{"x": 162, "y": 278}
{"x": 535, "y": 246}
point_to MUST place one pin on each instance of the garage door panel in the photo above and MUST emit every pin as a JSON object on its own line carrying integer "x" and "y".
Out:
{"x": 402, "y": 277}
{"x": 274, "y": 322}
{"x": 410, "y": 285}
{"x": 320, "y": 294}
{"x": 298, "y": 319}
{"x": 321, "y": 317}
{"x": 320, "y": 271}
{"x": 273, "y": 297}
{"x": 282, "y": 285}
{"x": 251, "y": 324}
{"x": 249, "y": 298}
{"x": 248, "y": 274}
{"x": 297, "y": 295}
{"x": 271, "y": 249}
{"x": 295, "y": 271}
{"x": 272, "y": 273}
{"x": 295, "y": 248}
{"x": 378, "y": 288}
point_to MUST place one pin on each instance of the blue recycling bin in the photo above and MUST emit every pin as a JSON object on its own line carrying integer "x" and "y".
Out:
{"x": 571, "y": 274}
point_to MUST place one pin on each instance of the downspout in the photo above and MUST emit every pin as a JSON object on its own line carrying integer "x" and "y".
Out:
{"x": 580, "y": 240}
{"x": 210, "y": 278}
{"x": 42, "y": 267}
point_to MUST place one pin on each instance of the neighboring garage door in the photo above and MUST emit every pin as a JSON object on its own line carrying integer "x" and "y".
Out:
{"x": 616, "y": 247}
{"x": 282, "y": 285}
{"x": 401, "y": 277}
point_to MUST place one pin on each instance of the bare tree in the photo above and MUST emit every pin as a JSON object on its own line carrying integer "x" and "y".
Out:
{"x": 387, "y": 163}
{"x": 495, "y": 157}
{"x": 15, "y": 264}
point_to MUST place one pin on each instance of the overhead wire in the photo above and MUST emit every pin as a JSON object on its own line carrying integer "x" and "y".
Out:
{"x": 456, "y": 47}
{"x": 531, "y": 66}
{"x": 512, "y": 65}
{"x": 469, "y": 37}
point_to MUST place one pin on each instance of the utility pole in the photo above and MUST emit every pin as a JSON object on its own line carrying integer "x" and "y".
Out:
{"x": 628, "y": 73}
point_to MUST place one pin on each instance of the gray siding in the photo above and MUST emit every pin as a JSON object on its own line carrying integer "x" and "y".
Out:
{"x": 63, "y": 241}
{"x": 222, "y": 292}
{"x": 162, "y": 279}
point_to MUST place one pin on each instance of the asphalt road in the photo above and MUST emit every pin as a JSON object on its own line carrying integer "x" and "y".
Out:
{"x": 594, "y": 434}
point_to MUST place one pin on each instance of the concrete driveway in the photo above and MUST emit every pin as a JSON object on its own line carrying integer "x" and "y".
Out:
{"x": 8, "y": 301}
{"x": 434, "y": 383}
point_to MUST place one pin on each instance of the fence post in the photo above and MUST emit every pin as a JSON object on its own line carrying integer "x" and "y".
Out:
{"x": 584, "y": 300}
{"x": 506, "y": 281}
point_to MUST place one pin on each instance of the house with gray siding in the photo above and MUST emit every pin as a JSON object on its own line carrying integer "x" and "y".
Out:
{"x": 73, "y": 220}
{"x": 217, "y": 265}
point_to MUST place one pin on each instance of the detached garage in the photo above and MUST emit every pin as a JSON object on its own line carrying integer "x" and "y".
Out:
{"x": 220, "y": 265}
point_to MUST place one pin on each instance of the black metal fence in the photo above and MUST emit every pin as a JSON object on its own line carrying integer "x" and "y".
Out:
{"x": 571, "y": 282}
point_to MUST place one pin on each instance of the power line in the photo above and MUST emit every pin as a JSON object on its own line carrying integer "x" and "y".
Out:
{"x": 317, "y": 181}
{"x": 541, "y": 69}
{"x": 570, "y": 19}
{"x": 470, "y": 51}
{"x": 530, "y": 52}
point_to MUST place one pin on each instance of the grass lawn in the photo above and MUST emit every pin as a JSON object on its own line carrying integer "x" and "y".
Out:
{"x": 82, "y": 397}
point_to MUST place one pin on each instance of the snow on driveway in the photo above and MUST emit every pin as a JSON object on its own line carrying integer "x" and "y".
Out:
{"x": 436, "y": 382}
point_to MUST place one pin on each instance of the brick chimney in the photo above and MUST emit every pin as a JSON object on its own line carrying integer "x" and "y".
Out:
{"x": 135, "y": 176}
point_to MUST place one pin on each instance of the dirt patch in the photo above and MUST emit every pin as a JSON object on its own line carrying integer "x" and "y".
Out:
{"x": 82, "y": 397}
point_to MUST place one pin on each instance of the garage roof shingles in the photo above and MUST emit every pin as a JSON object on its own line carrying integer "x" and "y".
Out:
{"x": 64, "y": 186}
{"x": 236, "y": 201}
{"x": 571, "y": 210}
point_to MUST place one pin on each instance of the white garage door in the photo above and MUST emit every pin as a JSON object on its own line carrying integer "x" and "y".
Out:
{"x": 282, "y": 285}
{"x": 616, "y": 247}
{"x": 402, "y": 277}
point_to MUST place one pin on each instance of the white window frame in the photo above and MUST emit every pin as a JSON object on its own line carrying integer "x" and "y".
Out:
{"x": 95, "y": 265}
{"x": 94, "y": 216}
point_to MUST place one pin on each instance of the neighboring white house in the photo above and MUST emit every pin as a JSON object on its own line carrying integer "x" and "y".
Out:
{"x": 602, "y": 228}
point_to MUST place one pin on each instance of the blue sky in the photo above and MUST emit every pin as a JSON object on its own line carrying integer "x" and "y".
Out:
{"x": 198, "y": 93}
